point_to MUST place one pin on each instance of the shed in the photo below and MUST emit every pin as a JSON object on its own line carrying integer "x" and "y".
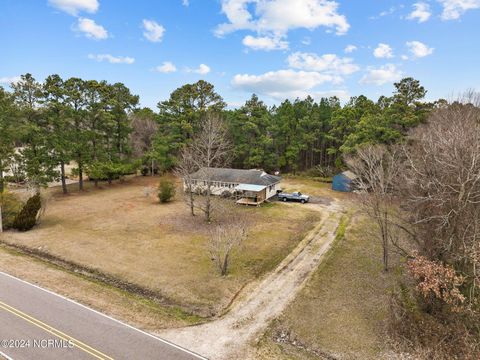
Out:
{"x": 344, "y": 181}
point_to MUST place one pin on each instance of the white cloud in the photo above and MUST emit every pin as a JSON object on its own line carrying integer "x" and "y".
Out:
{"x": 166, "y": 67}
{"x": 350, "y": 48}
{"x": 153, "y": 31}
{"x": 306, "y": 41}
{"x": 91, "y": 29}
{"x": 275, "y": 18}
{"x": 382, "y": 75}
{"x": 265, "y": 43}
{"x": 383, "y": 51}
{"x": 9, "y": 79}
{"x": 421, "y": 12}
{"x": 453, "y": 9}
{"x": 185, "y": 2}
{"x": 283, "y": 83}
{"x": 112, "y": 59}
{"x": 73, "y": 7}
{"x": 390, "y": 11}
{"x": 419, "y": 49}
{"x": 202, "y": 69}
{"x": 328, "y": 63}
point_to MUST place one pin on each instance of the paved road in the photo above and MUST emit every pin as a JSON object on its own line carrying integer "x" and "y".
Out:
{"x": 38, "y": 324}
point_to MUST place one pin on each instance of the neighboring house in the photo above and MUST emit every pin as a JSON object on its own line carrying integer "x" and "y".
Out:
{"x": 344, "y": 181}
{"x": 249, "y": 186}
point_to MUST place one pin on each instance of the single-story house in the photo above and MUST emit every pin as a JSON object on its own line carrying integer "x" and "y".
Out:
{"x": 249, "y": 186}
{"x": 344, "y": 181}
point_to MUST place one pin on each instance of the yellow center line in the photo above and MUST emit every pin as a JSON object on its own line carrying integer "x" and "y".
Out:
{"x": 84, "y": 347}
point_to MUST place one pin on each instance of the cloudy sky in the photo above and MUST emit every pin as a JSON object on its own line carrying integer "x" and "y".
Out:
{"x": 276, "y": 48}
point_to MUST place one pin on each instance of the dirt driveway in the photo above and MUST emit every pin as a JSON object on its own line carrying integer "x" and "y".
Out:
{"x": 261, "y": 302}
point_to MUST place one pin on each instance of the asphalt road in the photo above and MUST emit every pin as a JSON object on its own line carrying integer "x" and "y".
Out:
{"x": 38, "y": 324}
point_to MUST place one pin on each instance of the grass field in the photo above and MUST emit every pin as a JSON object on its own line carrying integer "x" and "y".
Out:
{"x": 120, "y": 231}
{"x": 342, "y": 310}
{"x": 313, "y": 188}
{"x": 136, "y": 310}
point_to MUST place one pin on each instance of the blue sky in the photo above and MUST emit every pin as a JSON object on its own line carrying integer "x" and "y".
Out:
{"x": 276, "y": 48}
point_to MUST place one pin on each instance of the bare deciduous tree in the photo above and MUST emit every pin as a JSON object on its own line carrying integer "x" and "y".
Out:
{"x": 377, "y": 169}
{"x": 441, "y": 187}
{"x": 186, "y": 166}
{"x": 225, "y": 239}
{"x": 144, "y": 129}
{"x": 210, "y": 148}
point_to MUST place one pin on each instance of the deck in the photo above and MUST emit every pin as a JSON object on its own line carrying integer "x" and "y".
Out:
{"x": 248, "y": 201}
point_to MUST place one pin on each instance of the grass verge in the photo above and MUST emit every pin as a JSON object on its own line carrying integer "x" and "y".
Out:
{"x": 136, "y": 309}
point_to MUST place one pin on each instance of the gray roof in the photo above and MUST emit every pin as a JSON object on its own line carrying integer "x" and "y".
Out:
{"x": 237, "y": 176}
{"x": 350, "y": 175}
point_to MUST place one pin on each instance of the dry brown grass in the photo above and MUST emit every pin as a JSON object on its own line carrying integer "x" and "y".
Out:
{"x": 120, "y": 231}
{"x": 135, "y": 310}
{"x": 313, "y": 188}
{"x": 342, "y": 311}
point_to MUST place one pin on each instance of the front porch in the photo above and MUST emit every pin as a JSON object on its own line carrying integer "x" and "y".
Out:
{"x": 247, "y": 194}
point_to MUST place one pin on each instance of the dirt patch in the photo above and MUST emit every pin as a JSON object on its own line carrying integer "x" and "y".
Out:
{"x": 320, "y": 200}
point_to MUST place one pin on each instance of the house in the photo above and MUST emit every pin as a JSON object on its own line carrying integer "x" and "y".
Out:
{"x": 249, "y": 186}
{"x": 344, "y": 181}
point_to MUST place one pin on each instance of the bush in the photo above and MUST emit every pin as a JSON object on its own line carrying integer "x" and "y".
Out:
{"x": 166, "y": 191}
{"x": 11, "y": 207}
{"x": 27, "y": 218}
{"x": 321, "y": 171}
{"x": 14, "y": 179}
{"x": 109, "y": 171}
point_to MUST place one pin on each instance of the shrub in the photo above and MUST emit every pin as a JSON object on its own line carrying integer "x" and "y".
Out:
{"x": 321, "y": 171}
{"x": 27, "y": 218}
{"x": 109, "y": 170}
{"x": 20, "y": 178}
{"x": 166, "y": 191}
{"x": 11, "y": 207}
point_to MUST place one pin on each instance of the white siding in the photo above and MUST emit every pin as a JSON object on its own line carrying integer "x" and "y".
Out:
{"x": 272, "y": 190}
{"x": 218, "y": 188}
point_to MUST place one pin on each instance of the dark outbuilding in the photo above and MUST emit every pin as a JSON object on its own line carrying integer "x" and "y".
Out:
{"x": 344, "y": 181}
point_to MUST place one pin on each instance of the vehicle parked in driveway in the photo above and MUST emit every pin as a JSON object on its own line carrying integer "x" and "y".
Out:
{"x": 295, "y": 196}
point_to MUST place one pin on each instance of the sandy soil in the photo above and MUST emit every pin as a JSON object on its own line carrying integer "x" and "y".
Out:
{"x": 260, "y": 303}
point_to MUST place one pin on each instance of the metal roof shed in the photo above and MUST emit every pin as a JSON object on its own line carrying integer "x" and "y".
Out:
{"x": 344, "y": 181}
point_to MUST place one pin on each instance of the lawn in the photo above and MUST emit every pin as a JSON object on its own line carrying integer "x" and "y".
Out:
{"x": 341, "y": 312}
{"x": 120, "y": 231}
{"x": 312, "y": 187}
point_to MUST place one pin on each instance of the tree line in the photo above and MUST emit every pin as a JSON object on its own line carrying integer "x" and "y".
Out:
{"x": 294, "y": 136}
{"x": 46, "y": 125}
{"x": 100, "y": 127}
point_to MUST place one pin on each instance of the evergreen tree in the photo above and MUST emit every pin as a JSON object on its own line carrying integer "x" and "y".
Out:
{"x": 180, "y": 117}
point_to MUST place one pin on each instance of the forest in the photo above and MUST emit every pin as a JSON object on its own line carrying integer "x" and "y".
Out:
{"x": 101, "y": 129}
